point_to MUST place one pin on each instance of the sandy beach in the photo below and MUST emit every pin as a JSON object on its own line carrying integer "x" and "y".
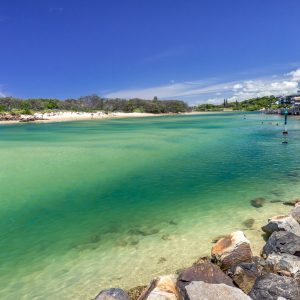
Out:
{"x": 64, "y": 116}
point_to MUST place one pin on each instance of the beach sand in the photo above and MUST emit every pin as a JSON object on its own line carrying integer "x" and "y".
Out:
{"x": 64, "y": 116}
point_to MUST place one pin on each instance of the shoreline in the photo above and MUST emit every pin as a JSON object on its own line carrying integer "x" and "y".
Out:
{"x": 68, "y": 116}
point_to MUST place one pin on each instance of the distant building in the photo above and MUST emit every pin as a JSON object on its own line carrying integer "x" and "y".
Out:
{"x": 293, "y": 100}
{"x": 297, "y": 101}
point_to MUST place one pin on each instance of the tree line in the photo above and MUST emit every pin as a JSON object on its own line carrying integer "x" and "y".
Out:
{"x": 253, "y": 104}
{"x": 92, "y": 103}
{"x": 95, "y": 103}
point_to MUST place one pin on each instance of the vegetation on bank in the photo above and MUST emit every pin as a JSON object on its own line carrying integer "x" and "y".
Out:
{"x": 267, "y": 102}
{"x": 95, "y": 103}
{"x": 92, "y": 103}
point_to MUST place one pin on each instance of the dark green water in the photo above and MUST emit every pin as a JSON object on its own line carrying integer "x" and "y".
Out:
{"x": 90, "y": 204}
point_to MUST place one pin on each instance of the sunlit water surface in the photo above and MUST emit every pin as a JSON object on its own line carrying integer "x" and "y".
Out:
{"x": 95, "y": 204}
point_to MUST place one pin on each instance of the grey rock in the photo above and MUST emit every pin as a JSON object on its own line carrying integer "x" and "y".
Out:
{"x": 205, "y": 272}
{"x": 244, "y": 275}
{"x": 112, "y": 294}
{"x": 282, "y": 242}
{"x": 199, "y": 290}
{"x": 295, "y": 213}
{"x": 271, "y": 287}
{"x": 282, "y": 263}
{"x": 282, "y": 223}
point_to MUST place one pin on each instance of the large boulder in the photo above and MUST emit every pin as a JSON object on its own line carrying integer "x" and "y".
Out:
{"x": 295, "y": 213}
{"x": 199, "y": 290}
{"x": 206, "y": 272}
{"x": 112, "y": 294}
{"x": 282, "y": 242}
{"x": 271, "y": 287}
{"x": 161, "y": 288}
{"x": 231, "y": 250}
{"x": 283, "y": 264}
{"x": 282, "y": 223}
{"x": 244, "y": 275}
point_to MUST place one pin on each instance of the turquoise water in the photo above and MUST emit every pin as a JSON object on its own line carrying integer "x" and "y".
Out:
{"x": 91, "y": 204}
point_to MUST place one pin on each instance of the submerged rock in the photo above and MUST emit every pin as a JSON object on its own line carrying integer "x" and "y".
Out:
{"x": 295, "y": 213}
{"x": 166, "y": 237}
{"x": 122, "y": 243}
{"x": 86, "y": 247}
{"x": 202, "y": 271}
{"x": 258, "y": 202}
{"x": 283, "y": 264}
{"x": 295, "y": 202}
{"x": 143, "y": 231}
{"x": 173, "y": 222}
{"x": 112, "y": 228}
{"x": 112, "y": 294}
{"x": 292, "y": 174}
{"x": 249, "y": 222}
{"x": 277, "y": 192}
{"x": 133, "y": 241}
{"x": 161, "y": 288}
{"x": 282, "y": 242}
{"x": 96, "y": 238}
{"x": 275, "y": 201}
{"x": 271, "y": 287}
{"x": 244, "y": 275}
{"x": 161, "y": 260}
{"x": 231, "y": 250}
{"x": 199, "y": 290}
{"x": 279, "y": 223}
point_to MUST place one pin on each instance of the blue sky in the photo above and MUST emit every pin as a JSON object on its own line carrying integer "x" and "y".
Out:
{"x": 195, "y": 50}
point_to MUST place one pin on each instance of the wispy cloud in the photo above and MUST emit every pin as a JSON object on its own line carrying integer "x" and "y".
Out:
{"x": 214, "y": 90}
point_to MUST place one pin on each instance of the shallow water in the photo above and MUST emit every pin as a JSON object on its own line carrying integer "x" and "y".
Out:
{"x": 88, "y": 205}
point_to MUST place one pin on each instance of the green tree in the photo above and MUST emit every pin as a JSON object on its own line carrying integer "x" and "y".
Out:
{"x": 25, "y": 108}
{"x": 52, "y": 104}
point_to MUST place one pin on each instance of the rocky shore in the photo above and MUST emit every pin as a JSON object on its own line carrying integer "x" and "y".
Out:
{"x": 232, "y": 272}
{"x": 18, "y": 118}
